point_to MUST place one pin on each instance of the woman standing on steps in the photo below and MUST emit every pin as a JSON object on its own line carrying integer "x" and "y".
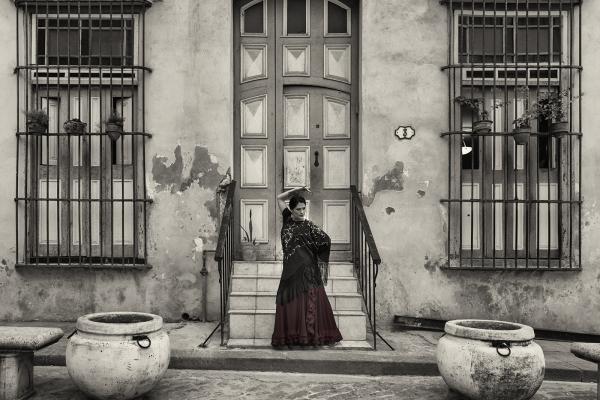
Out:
{"x": 303, "y": 314}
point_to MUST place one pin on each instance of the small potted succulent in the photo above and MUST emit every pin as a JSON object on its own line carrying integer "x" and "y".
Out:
{"x": 114, "y": 126}
{"x": 483, "y": 124}
{"x": 37, "y": 121}
{"x": 74, "y": 126}
{"x": 248, "y": 242}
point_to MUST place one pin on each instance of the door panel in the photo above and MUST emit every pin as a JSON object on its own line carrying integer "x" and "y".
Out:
{"x": 296, "y": 123}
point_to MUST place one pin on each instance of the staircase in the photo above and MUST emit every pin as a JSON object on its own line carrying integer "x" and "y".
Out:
{"x": 252, "y": 304}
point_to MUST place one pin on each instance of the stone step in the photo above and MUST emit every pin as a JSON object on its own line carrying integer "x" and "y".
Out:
{"x": 266, "y": 344}
{"x": 274, "y": 268}
{"x": 266, "y": 283}
{"x": 266, "y": 301}
{"x": 258, "y": 324}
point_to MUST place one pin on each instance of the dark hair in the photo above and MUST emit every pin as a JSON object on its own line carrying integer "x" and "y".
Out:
{"x": 295, "y": 200}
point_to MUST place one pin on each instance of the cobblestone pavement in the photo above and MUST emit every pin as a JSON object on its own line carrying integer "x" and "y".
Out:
{"x": 53, "y": 383}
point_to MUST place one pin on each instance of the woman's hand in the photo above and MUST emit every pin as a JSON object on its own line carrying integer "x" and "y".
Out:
{"x": 303, "y": 188}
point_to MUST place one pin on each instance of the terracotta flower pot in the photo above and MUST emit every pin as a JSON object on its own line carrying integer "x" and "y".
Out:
{"x": 482, "y": 126}
{"x": 494, "y": 360}
{"x": 559, "y": 129}
{"x": 36, "y": 127}
{"x": 522, "y": 134}
{"x": 114, "y": 131}
{"x": 74, "y": 126}
{"x": 248, "y": 251}
{"x": 118, "y": 355}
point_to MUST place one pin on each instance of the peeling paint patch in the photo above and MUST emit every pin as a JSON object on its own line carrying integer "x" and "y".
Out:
{"x": 204, "y": 172}
{"x": 391, "y": 180}
{"x": 389, "y": 210}
{"x": 167, "y": 175}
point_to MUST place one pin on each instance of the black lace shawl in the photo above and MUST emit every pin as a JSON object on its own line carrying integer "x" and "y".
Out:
{"x": 305, "y": 257}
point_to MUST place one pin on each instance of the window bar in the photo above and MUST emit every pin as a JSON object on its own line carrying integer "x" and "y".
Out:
{"x": 47, "y": 174}
{"x": 58, "y": 140}
{"x": 504, "y": 139}
{"x": 549, "y": 155}
{"x": 515, "y": 197}
{"x": 450, "y": 33}
{"x": 122, "y": 139}
{"x": 557, "y": 143}
{"x": 494, "y": 135}
{"x": 88, "y": 159}
{"x": 143, "y": 97}
{"x": 580, "y": 138}
{"x": 17, "y": 202}
{"x": 473, "y": 137}
{"x": 483, "y": 167}
{"x": 461, "y": 129}
{"x": 34, "y": 212}
{"x": 132, "y": 157}
{"x": 569, "y": 137}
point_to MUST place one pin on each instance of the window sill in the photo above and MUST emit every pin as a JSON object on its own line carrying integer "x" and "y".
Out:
{"x": 84, "y": 266}
{"x": 510, "y": 264}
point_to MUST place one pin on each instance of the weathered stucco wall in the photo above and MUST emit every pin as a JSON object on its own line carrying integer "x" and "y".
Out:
{"x": 189, "y": 109}
{"x": 403, "y": 46}
{"x": 189, "y": 112}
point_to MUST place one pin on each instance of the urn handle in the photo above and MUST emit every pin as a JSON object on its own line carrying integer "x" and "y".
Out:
{"x": 143, "y": 341}
{"x": 502, "y": 348}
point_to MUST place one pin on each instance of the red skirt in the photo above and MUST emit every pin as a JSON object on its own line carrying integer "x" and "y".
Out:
{"x": 306, "y": 320}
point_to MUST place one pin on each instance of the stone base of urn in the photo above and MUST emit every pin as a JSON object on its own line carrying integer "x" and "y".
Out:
{"x": 491, "y": 360}
{"x": 118, "y": 355}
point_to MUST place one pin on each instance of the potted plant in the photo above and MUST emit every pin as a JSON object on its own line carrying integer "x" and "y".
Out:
{"x": 553, "y": 106}
{"x": 114, "y": 126}
{"x": 37, "y": 121}
{"x": 248, "y": 242}
{"x": 483, "y": 124}
{"x": 74, "y": 126}
{"x": 522, "y": 130}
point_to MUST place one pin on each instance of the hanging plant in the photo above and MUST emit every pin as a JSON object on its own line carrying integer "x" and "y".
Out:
{"x": 482, "y": 124}
{"x": 37, "y": 121}
{"x": 74, "y": 126}
{"x": 114, "y": 126}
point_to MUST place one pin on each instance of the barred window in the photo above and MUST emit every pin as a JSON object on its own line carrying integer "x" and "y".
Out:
{"x": 81, "y": 193}
{"x": 514, "y": 135}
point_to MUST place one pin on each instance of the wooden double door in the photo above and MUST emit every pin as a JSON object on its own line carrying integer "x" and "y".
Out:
{"x": 296, "y": 113}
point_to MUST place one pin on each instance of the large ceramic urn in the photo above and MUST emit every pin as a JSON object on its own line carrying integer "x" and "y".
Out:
{"x": 492, "y": 360}
{"x": 118, "y": 355}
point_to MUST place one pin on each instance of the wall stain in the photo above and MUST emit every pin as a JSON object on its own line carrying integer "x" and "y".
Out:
{"x": 389, "y": 210}
{"x": 391, "y": 180}
{"x": 420, "y": 193}
{"x": 433, "y": 265}
{"x": 203, "y": 172}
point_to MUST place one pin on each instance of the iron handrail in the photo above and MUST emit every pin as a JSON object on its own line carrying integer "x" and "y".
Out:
{"x": 365, "y": 225}
{"x": 224, "y": 258}
{"x": 225, "y": 221}
{"x": 366, "y": 261}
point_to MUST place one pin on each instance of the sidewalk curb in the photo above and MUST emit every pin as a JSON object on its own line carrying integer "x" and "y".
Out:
{"x": 325, "y": 363}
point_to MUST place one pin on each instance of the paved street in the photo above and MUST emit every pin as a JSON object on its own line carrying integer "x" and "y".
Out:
{"x": 53, "y": 383}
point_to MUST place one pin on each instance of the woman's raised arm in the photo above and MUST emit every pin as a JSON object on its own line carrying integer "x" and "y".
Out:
{"x": 282, "y": 197}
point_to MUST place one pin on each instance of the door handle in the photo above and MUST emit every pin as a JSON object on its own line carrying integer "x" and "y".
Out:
{"x": 316, "y": 164}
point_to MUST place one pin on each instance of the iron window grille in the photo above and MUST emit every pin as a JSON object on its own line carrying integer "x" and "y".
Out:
{"x": 81, "y": 194}
{"x": 513, "y": 206}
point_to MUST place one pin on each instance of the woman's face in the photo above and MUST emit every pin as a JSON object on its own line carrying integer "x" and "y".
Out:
{"x": 299, "y": 211}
